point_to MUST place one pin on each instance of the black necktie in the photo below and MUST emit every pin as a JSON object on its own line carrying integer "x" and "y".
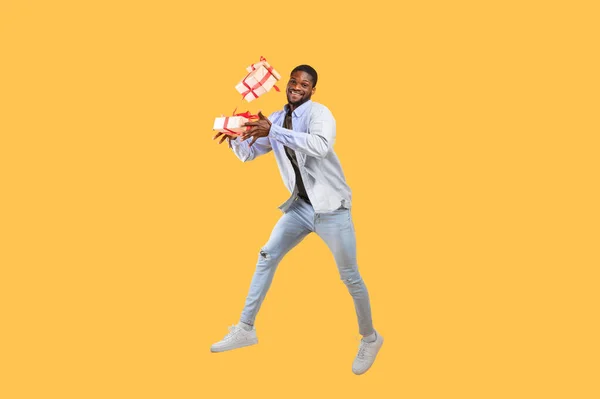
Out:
{"x": 287, "y": 122}
{"x": 291, "y": 154}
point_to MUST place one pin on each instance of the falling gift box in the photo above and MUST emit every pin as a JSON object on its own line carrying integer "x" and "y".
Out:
{"x": 260, "y": 79}
{"x": 234, "y": 125}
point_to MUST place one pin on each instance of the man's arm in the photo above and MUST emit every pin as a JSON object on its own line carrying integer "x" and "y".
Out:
{"x": 316, "y": 144}
{"x": 245, "y": 152}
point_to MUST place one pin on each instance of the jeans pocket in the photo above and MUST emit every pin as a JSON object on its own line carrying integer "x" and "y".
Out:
{"x": 344, "y": 211}
{"x": 338, "y": 217}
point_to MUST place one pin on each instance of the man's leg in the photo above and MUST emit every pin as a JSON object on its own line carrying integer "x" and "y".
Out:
{"x": 337, "y": 230}
{"x": 291, "y": 228}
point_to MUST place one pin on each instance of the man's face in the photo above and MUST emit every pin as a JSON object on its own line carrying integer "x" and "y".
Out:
{"x": 299, "y": 88}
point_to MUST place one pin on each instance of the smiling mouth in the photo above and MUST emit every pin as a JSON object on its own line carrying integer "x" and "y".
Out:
{"x": 295, "y": 93}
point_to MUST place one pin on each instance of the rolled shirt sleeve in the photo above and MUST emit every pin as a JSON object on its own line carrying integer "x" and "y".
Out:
{"x": 317, "y": 143}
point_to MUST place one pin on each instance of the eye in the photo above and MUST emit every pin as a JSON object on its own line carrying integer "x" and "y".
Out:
{"x": 305, "y": 85}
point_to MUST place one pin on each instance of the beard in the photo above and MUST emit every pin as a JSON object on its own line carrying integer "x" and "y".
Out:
{"x": 301, "y": 100}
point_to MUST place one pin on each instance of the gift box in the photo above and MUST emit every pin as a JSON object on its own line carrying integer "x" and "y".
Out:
{"x": 261, "y": 78}
{"x": 234, "y": 125}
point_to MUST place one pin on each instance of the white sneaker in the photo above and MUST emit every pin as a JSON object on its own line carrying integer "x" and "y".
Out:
{"x": 366, "y": 355}
{"x": 236, "y": 338}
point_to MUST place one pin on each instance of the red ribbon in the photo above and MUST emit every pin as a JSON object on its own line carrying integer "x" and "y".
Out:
{"x": 227, "y": 130}
{"x": 247, "y": 115}
{"x": 250, "y": 89}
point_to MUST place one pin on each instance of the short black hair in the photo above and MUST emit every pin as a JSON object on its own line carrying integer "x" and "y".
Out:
{"x": 309, "y": 70}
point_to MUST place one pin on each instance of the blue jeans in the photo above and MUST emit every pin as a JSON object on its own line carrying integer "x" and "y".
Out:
{"x": 337, "y": 230}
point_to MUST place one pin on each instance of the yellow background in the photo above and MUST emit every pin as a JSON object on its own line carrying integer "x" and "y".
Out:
{"x": 467, "y": 131}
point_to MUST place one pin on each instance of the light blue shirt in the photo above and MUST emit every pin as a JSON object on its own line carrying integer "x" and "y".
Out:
{"x": 312, "y": 139}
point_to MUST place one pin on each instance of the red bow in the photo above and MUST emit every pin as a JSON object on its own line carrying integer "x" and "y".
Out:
{"x": 247, "y": 115}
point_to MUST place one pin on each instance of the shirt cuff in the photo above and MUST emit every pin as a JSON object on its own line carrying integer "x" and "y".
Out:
{"x": 278, "y": 133}
{"x": 234, "y": 143}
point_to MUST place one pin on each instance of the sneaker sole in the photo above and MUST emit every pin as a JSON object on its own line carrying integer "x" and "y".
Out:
{"x": 216, "y": 350}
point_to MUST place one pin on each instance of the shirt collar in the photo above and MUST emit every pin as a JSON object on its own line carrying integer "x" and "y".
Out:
{"x": 298, "y": 112}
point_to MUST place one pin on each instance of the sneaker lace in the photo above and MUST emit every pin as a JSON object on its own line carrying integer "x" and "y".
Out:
{"x": 233, "y": 330}
{"x": 361, "y": 350}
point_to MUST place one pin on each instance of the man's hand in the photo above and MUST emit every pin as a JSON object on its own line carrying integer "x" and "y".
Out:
{"x": 225, "y": 136}
{"x": 260, "y": 128}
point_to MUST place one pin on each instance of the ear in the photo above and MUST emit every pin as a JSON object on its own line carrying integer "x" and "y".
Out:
{"x": 313, "y": 91}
